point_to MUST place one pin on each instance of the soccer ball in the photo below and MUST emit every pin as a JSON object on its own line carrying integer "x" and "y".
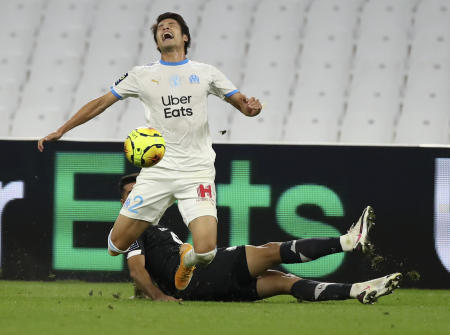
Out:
{"x": 144, "y": 147}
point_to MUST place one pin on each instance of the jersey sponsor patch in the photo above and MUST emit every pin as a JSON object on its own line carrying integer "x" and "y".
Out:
{"x": 204, "y": 191}
{"x": 120, "y": 79}
{"x": 176, "y": 106}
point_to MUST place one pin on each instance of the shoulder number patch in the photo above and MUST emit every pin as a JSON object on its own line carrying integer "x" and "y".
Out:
{"x": 120, "y": 79}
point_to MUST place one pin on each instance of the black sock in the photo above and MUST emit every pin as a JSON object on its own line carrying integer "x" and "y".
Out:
{"x": 311, "y": 290}
{"x": 308, "y": 249}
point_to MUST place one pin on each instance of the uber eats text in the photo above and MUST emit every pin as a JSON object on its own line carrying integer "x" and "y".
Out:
{"x": 175, "y": 106}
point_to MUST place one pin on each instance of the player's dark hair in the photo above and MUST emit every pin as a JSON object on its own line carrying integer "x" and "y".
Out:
{"x": 181, "y": 22}
{"x": 129, "y": 178}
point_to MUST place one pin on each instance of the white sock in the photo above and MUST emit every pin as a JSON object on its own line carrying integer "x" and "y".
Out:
{"x": 346, "y": 242}
{"x": 356, "y": 289}
{"x": 190, "y": 258}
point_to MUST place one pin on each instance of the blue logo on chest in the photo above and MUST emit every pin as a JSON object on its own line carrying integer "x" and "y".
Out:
{"x": 194, "y": 79}
{"x": 175, "y": 80}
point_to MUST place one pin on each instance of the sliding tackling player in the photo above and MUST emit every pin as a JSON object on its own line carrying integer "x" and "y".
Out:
{"x": 243, "y": 273}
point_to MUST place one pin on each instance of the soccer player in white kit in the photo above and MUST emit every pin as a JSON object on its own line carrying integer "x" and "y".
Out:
{"x": 174, "y": 92}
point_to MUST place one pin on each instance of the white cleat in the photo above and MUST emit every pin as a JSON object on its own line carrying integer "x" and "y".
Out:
{"x": 359, "y": 231}
{"x": 373, "y": 289}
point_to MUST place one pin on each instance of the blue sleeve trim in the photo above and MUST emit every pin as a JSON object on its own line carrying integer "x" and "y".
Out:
{"x": 231, "y": 93}
{"x": 117, "y": 95}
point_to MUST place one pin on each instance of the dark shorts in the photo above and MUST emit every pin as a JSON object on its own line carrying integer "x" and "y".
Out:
{"x": 225, "y": 279}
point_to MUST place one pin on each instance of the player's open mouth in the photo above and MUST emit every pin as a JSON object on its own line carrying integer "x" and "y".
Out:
{"x": 167, "y": 36}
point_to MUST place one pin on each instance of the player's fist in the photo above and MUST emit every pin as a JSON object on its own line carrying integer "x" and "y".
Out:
{"x": 56, "y": 135}
{"x": 253, "y": 107}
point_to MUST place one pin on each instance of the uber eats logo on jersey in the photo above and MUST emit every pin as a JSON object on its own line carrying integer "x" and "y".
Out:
{"x": 175, "y": 106}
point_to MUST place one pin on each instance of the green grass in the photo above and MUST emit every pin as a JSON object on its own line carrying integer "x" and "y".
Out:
{"x": 68, "y": 307}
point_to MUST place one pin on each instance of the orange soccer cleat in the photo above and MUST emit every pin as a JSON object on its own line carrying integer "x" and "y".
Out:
{"x": 184, "y": 273}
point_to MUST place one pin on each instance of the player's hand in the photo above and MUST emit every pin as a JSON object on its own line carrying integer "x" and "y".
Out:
{"x": 164, "y": 297}
{"x": 56, "y": 135}
{"x": 252, "y": 107}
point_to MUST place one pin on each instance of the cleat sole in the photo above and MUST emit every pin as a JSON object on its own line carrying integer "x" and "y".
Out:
{"x": 370, "y": 220}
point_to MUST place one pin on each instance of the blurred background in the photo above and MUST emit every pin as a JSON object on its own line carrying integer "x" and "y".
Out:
{"x": 327, "y": 71}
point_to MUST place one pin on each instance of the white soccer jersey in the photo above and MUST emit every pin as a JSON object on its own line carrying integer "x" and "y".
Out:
{"x": 175, "y": 100}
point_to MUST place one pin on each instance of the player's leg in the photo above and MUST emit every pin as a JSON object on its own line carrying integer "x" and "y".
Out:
{"x": 268, "y": 255}
{"x": 305, "y": 250}
{"x": 197, "y": 205}
{"x": 263, "y": 257}
{"x": 366, "y": 292}
{"x": 272, "y": 282}
{"x": 146, "y": 203}
{"x": 204, "y": 238}
{"x": 124, "y": 232}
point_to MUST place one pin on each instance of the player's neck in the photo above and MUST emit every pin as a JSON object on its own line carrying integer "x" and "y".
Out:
{"x": 173, "y": 56}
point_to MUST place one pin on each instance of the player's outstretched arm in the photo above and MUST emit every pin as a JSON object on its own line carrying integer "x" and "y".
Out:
{"x": 87, "y": 112}
{"x": 248, "y": 107}
{"x": 143, "y": 281}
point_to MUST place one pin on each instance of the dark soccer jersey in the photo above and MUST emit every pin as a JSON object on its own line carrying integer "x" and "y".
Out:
{"x": 161, "y": 249}
{"x": 226, "y": 278}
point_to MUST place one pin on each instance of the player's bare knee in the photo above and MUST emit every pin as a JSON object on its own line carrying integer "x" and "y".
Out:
{"x": 114, "y": 246}
{"x": 112, "y": 253}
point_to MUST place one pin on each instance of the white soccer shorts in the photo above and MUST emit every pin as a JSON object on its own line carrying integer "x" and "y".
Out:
{"x": 149, "y": 199}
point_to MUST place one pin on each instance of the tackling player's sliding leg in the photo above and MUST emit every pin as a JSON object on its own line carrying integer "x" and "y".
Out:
{"x": 269, "y": 283}
{"x": 271, "y": 254}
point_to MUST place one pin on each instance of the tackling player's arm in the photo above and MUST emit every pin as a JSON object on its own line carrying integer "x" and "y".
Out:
{"x": 143, "y": 281}
{"x": 86, "y": 113}
{"x": 248, "y": 107}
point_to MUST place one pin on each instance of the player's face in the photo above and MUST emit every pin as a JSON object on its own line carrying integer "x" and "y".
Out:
{"x": 169, "y": 36}
{"x": 126, "y": 190}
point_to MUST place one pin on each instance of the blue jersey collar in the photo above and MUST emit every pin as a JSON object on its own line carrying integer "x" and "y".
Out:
{"x": 184, "y": 61}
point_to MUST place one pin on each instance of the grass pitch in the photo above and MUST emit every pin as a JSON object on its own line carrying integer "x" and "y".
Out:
{"x": 67, "y": 307}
